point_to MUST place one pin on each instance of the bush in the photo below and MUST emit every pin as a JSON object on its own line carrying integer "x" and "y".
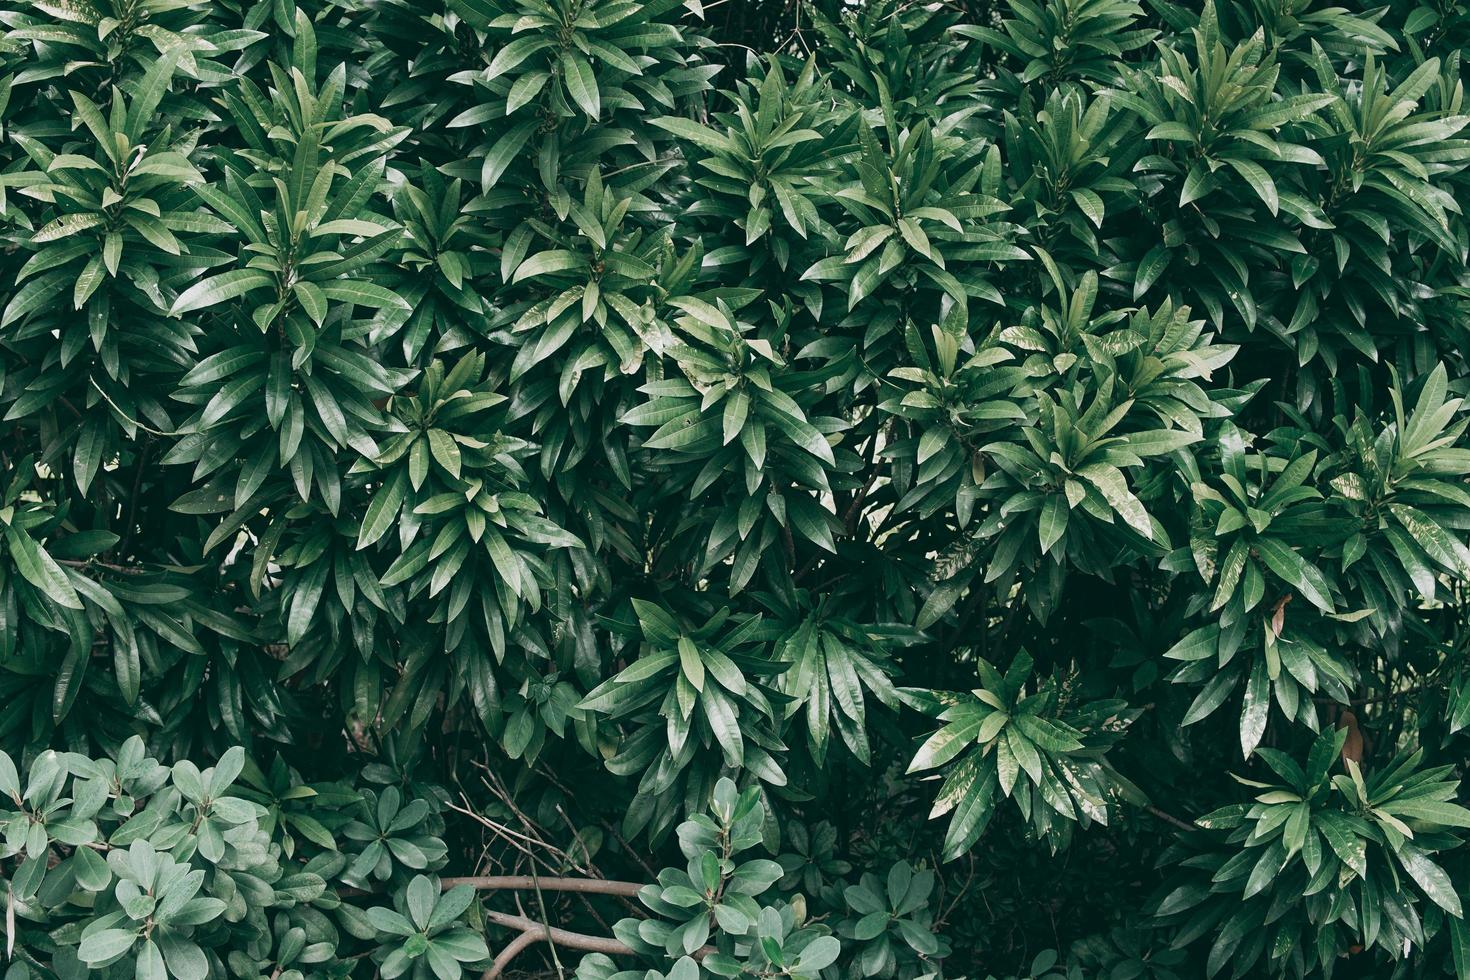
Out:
{"x": 906, "y": 490}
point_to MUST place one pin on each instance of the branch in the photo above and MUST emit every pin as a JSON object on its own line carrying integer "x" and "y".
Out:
{"x": 1169, "y": 818}
{"x": 132, "y": 517}
{"x": 497, "y": 883}
{"x": 592, "y": 886}
{"x": 1386, "y": 696}
{"x": 533, "y": 931}
{"x": 510, "y": 952}
{"x": 85, "y": 563}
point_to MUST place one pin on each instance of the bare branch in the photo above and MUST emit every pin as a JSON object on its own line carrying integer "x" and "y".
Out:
{"x": 1170, "y": 818}
{"x": 592, "y": 886}
{"x": 533, "y": 931}
{"x": 510, "y": 952}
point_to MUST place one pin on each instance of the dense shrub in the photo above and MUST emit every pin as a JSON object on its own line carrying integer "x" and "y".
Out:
{"x": 814, "y": 490}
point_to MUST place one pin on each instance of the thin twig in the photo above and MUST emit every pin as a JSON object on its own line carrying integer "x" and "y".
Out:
{"x": 634, "y": 854}
{"x": 1169, "y": 818}
{"x": 85, "y": 563}
{"x": 555, "y": 956}
{"x": 1379, "y": 698}
{"x": 143, "y": 454}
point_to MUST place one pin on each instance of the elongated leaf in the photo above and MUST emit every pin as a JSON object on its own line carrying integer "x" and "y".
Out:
{"x": 218, "y": 289}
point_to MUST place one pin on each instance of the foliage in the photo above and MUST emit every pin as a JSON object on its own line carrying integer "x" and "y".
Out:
{"x": 822, "y": 490}
{"x": 171, "y": 871}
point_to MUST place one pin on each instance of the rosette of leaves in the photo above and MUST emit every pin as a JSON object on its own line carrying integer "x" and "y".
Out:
{"x": 446, "y": 257}
{"x": 458, "y": 500}
{"x": 896, "y": 57}
{"x": 890, "y": 923}
{"x": 1402, "y": 483}
{"x": 114, "y": 219}
{"x": 126, "y": 860}
{"x": 1320, "y": 864}
{"x": 715, "y": 890}
{"x": 1058, "y": 40}
{"x": 581, "y": 309}
{"x": 474, "y": 555}
{"x": 1001, "y": 732}
{"x": 1264, "y": 517}
{"x": 1064, "y": 493}
{"x": 780, "y": 945}
{"x": 106, "y": 41}
{"x": 1290, "y": 666}
{"x": 1216, "y": 112}
{"x": 204, "y": 796}
{"x": 428, "y": 939}
{"x": 836, "y": 665}
{"x": 716, "y": 895}
{"x": 293, "y": 809}
{"x": 151, "y": 934}
{"x": 590, "y": 289}
{"x": 566, "y": 83}
{"x": 40, "y": 816}
{"x": 1168, "y": 363}
{"x": 1390, "y": 545}
{"x": 950, "y": 406}
{"x": 1391, "y": 150}
{"x": 1342, "y": 33}
{"x": 1159, "y": 357}
{"x": 812, "y": 864}
{"x": 731, "y": 425}
{"x": 1069, "y": 157}
{"x": 295, "y": 378}
{"x": 1068, "y": 478}
{"x": 391, "y": 834}
{"x": 102, "y": 790}
{"x": 918, "y": 206}
{"x": 696, "y": 700}
{"x": 759, "y": 173}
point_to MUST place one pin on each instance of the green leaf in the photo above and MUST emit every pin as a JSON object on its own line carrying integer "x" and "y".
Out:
{"x": 38, "y": 568}
{"x": 1296, "y": 571}
{"x": 1158, "y": 442}
{"x": 1254, "y": 709}
{"x": 1053, "y": 523}
{"x": 693, "y": 132}
{"x": 105, "y": 944}
{"x": 690, "y": 663}
{"x": 363, "y": 293}
{"x": 1110, "y": 481}
{"x": 504, "y": 153}
{"x": 581, "y": 83}
{"x": 514, "y": 53}
{"x": 1259, "y": 180}
{"x": 218, "y": 289}
{"x": 382, "y": 510}
{"x": 1431, "y": 878}
{"x": 545, "y": 263}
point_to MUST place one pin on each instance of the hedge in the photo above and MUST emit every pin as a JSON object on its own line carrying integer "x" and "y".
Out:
{"x": 822, "y": 490}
